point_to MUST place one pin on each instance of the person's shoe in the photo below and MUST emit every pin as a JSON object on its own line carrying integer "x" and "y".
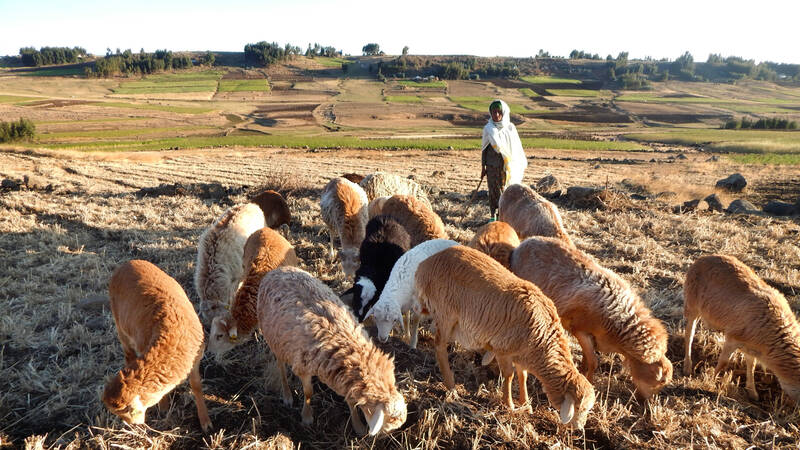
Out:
{"x": 492, "y": 219}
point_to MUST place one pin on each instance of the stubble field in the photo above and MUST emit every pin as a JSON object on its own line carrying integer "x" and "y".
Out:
{"x": 59, "y": 245}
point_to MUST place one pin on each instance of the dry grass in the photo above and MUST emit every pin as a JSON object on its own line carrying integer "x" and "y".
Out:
{"x": 58, "y": 248}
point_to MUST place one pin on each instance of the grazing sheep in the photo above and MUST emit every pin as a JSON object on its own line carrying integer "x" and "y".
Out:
{"x": 754, "y": 317}
{"x": 597, "y": 306}
{"x": 375, "y": 207}
{"x": 478, "y": 303}
{"x": 418, "y": 219}
{"x": 264, "y": 251}
{"x": 354, "y": 177}
{"x": 162, "y": 339}
{"x": 398, "y": 296}
{"x": 307, "y": 326}
{"x": 385, "y": 243}
{"x": 344, "y": 210}
{"x": 530, "y": 214}
{"x": 275, "y": 209}
{"x": 381, "y": 184}
{"x": 219, "y": 257}
{"x": 496, "y": 239}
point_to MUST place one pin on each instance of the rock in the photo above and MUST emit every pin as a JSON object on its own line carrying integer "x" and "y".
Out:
{"x": 438, "y": 173}
{"x": 733, "y": 183}
{"x": 37, "y": 183}
{"x": 681, "y": 156}
{"x": 95, "y": 324}
{"x": 10, "y": 184}
{"x": 638, "y": 197}
{"x": 412, "y": 177}
{"x": 93, "y": 302}
{"x": 713, "y": 203}
{"x": 777, "y": 208}
{"x": 665, "y": 195}
{"x": 481, "y": 195}
{"x": 547, "y": 185}
{"x": 689, "y": 206}
{"x": 714, "y": 158}
{"x": 740, "y": 206}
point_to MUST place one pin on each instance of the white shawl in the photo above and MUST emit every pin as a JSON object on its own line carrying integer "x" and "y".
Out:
{"x": 504, "y": 138}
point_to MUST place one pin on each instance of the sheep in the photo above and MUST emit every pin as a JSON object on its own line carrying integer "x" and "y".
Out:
{"x": 475, "y": 301}
{"x": 397, "y": 297}
{"x": 381, "y": 184}
{"x": 496, "y": 239}
{"x": 385, "y": 243}
{"x": 754, "y": 317}
{"x": 418, "y": 219}
{"x": 161, "y": 337}
{"x": 375, "y": 207}
{"x": 344, "y": 211}
{"x": 219, "y": 257}
{"x": 307, "y": 326}
{"x": 354, "y": 177}
{"x": 595, "y": 304}
{"x": 264, "y": 251}
{"x": 275, "y": 209}
{"x": 530, "y": 214}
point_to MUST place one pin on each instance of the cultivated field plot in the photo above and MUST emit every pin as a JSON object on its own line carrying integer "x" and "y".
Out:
{"x": 58, "y": 344}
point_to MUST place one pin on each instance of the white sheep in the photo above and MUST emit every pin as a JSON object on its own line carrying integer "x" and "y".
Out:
{"x": 218, "y": 270}
{"x": 416, "y": 217}
{"x": 397, "y": 297}
{"x": 308, "y": 327}
{"x": 754, "y": 317}
{"x": 475, "y": 301}
{"x": 382, "y": 184}
{"x": 344, "y": 210}
{"x": 162, "y": 339}
{"x": 530, "y": 214}
{"x": 599, "y": 308}
{"x": 265, "y": 250}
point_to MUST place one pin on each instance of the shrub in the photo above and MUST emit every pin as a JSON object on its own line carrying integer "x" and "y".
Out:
{"x": 15, "y": 131}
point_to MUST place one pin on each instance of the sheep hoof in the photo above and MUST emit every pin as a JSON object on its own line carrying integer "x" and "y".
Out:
{"x": 752, "y": 395}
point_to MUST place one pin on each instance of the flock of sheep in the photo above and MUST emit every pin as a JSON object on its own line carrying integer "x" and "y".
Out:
{"x": 513, "y": 293}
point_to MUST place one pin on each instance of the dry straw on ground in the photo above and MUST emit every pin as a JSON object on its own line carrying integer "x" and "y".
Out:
{"x": 58, "y": 342}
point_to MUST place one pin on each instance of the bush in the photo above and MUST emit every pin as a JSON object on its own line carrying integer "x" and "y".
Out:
{"x": 15, "y": 131}
{"x": 771, "y": 123}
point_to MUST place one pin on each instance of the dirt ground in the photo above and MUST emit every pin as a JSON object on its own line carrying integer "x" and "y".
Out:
{"x": 60, "y": 243}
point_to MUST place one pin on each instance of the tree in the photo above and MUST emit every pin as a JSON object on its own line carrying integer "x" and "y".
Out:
{"x": 371, "y": 49}
{"x": 405, "y": 50}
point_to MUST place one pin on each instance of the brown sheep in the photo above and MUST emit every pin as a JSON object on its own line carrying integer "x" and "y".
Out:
{"x": 354, "y": 177}
{"x": 375, "y": 207}
{"x": 530, "y": 214}
{"x": 478, "y": 303}
{"x": 754, "y": 317}
{"x": 162, "y": 339}
{"x": 344, "y": 211}
{"x": 275, "y": 208}
{"x": 596, "y": 304}
{"x": 418, "y": 219}
{"x": 496, "y": 239}
{"x": 308, "y": 327}
{"x": 264, "y": 251}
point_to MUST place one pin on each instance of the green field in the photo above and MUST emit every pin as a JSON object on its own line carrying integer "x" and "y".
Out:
{"x": 17, "y": 99}
{"x": 423, "y": 84}
{"x": 330, "y": 62}
{"x": 166, "y": 108}
{"x": 645, "y": 98}
{"x": 762, "y": 142}
{"x": 54, "y": 72}
{"x": 403, "y": 98}
{"x": 529, "y": 92}
{"x": 172, "y": 83}
{"x": 549, "y": 80}
{"x": 577, "y": 93}
{"x": 481, "y": 104}
{"x": 243, "y": 85}
{"x": 106, "y": 134}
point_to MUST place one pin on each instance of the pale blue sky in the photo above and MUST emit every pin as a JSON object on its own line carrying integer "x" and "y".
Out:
{"x": 755, "y": 30}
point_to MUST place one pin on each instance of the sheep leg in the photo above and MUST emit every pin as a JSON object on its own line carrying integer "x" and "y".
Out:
{"x": 751, "y": 373}
{"x": 163, "y": 404}
{"x": 308, "y": 391}
{"x": 691, "y": 326}
{"x": 332, "y": 250}
{"x": 286, "y": 391}
{"x": 522, "y": 381}
{"x": 507, "y": 371}
{"x": 196, "y": 383}
{"x": 413, "y": 329}
{"x": 358, "y": 425}
{"x": 728, "y": 348}
{"x": 589, "y": 361}
{"x": 441, "y": 339}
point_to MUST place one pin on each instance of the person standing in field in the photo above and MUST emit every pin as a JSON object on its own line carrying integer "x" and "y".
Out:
{"x": 503, "y": 160}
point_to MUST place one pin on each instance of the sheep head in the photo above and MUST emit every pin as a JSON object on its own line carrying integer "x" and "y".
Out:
{"x": 385, "y": 318}
{"x": 122, "y": 402}
{"x": 575, "y": 404}
{"x": 350, "y": 260}
{"x": 649, "y": 378}
{"x": 377, "y": 395}
{"x": 223, "y": 336}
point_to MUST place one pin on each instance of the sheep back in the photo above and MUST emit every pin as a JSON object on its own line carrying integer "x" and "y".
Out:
{"x": 496, "y": 239}
{"x": 382, "y": 184}
{"x": 530, "y": 214}
{"x": 417, "y": 217}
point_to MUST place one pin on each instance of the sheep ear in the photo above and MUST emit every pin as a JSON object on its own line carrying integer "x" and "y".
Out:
{"x": 375, "y": 421}
{"x": 347, "y": 297}
{"x": 487, "y": 359}
{"x": 567, "y": 409}
{"x": 660, "y": 375}
{"x": 233, "y": 333}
